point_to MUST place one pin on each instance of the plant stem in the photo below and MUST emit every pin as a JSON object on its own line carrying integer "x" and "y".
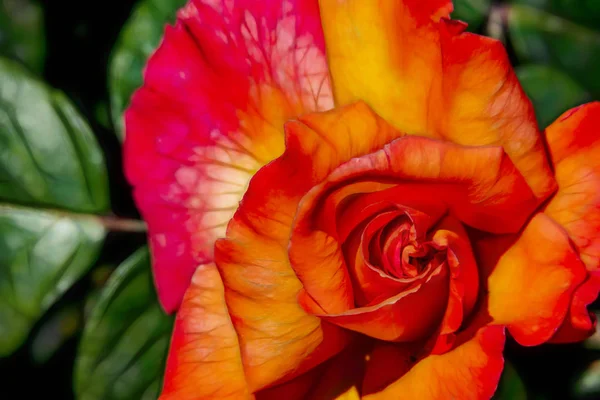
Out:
{"x": 111, "y": 223}
{"x": 116, "y": 224}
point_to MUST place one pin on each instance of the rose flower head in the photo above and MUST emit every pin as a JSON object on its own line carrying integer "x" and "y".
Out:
{"x": 352, "y": 199}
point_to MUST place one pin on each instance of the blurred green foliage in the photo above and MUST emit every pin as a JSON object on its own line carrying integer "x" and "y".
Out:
{"x": 126, "y": 337}
{"x": 511, "y": 386}
{"x": 551, "y": 91}
{"x": 49, "y": 158}
{"x": 22, "y": 34}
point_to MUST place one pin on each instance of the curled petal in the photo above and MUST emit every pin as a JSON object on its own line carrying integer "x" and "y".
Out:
{"x": 464, "y": 274}
{"x": 406, "y": 317}
{"x": 579, "y": 324}
{"x": 531, "y": 285}
{"x": 574, "y": 145}
{"x": 372, "y": 284}
{"x": 211, "y": 112}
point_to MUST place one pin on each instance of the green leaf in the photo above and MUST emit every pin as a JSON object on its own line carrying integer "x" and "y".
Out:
{"x": 472, "y": 12}
{"x": 511, "y": 386}
{"x": 540, "y": 37}
{"x": 49, "y": 158}
{"x": 551, "y": 91}
{"x": 124, "y": 345}
{"x": 41, "y": 255}
{"x": 138, "y": 40}
{"x": 586, "y": 12}
{"x": 587, "y": 385}
{"x": 48, "y": 154}
{"x": 22, "y": 32}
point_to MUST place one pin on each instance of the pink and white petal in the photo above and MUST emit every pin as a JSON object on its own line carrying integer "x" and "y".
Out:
{"x": 211, "y": 112}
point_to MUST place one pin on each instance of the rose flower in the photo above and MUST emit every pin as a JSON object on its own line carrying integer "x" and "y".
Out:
{"x": 357, "y": 202}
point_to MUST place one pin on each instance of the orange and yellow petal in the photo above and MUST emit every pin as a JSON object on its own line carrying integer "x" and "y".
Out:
{"x": 530, "y": 286}
{"x": 579, "y": 323}
{"x": 385, "y": 53}
{"x": 478, "y": 101}
{"x": 574, "y": 146}
{"x": 428, "y": 78}
{"x": 211, "y": 112}
{"x": 204, "y": 359}
{"x": 261, "y": 291}
{"x": 471, "y": 370}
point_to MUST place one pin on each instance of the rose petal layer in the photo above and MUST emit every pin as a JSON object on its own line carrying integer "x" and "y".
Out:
{"x": 478, "y": 185}
{"x": 574, "y": 145}
{"x": 471, "y": 370}
{"x": 204, "y": 335}
{"x": 531, "y": 284}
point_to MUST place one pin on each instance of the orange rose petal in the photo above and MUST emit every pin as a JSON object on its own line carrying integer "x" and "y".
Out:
{"x": 464, "y": 283}
{"x": 574, "y": 145}
{"x": 371, "y": 284}
{"x": 261, "y": 287}
{"x": 296, "y": 389}
{"x": 340, "y": 135}
{"x": 480, "y": 185}
{"x": 408, "y": 316}
{"x": 427, "y": 78}
{"x": 376, "y": 196}
{"x": 341, "y": 376}
{"x": 469, "y": 371}
{"x": 579, "y": 324}
{"x": 336, "y": 379}
{"x": 385, "y": 53}
{"x": 531, "y": 285}
{"x": 370, "y": 281}
{"x": 386, "y": 363}
{"x": 204, "y": 360}
{"x": 478, "y": 101}
{"x": 261, "y": 291}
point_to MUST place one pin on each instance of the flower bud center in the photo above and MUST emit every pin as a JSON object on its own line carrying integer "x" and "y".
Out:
{"x": 402, "y": 252}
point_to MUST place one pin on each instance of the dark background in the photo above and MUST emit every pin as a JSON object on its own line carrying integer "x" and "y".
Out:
{"x": 80, "y": 37}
